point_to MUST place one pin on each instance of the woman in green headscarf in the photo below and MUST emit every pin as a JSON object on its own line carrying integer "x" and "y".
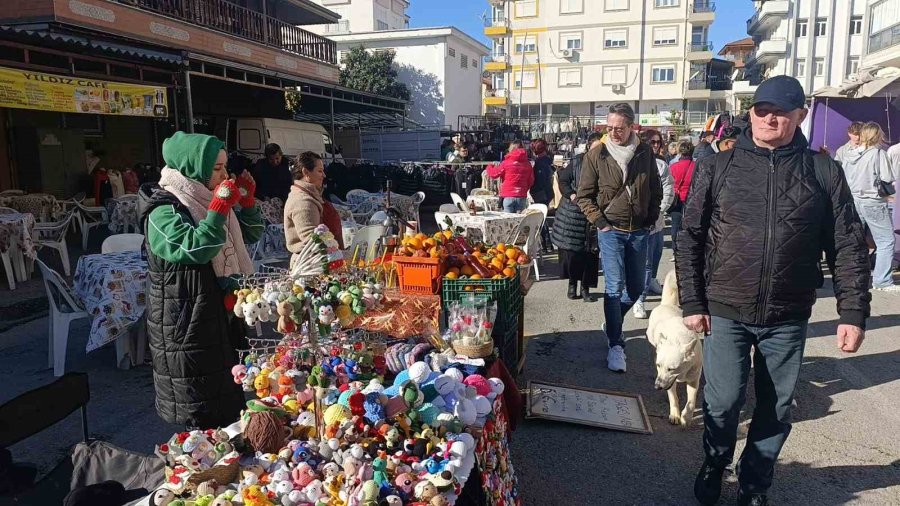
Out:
{"x": 196, "y": 222}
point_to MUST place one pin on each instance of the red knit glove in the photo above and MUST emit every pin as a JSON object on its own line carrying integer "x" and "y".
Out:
{"x": 247, "y": 187}
{"x": 225, "y": 196}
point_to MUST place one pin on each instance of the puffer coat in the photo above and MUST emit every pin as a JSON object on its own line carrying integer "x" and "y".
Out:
{"x": 755, "y": 224}
{"x": 571, "y": 229}
{"x": 192, "y": 339}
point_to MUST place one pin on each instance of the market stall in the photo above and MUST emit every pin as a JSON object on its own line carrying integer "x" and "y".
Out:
{"x": 361, "y": 398}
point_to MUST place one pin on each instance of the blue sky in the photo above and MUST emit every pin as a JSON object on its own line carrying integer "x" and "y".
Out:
{"x": 730, "y": 22}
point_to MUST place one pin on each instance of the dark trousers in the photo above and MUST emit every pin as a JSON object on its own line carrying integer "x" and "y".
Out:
{"x": 777, "y": 355}
{"x": 676, "y": 226}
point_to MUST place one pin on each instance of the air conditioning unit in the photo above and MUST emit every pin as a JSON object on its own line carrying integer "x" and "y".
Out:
{"x": 568, "y": 53}
{"x": 618, "y": 88}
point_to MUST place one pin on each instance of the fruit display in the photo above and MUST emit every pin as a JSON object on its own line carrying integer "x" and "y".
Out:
{"x": 487, "y": 262}
{"x": 423, "y": 246}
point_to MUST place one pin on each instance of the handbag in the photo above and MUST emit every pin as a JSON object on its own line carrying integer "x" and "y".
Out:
{"x": 884, "y": 189}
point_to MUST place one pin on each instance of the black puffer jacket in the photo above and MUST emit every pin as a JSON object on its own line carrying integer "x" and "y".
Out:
{"x": 191, "y": 338}
{"x": 571, "y": 228}
{"x": 753, "y": 233}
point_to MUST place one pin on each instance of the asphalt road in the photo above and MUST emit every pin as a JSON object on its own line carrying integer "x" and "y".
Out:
{"x": 844, "y": 447}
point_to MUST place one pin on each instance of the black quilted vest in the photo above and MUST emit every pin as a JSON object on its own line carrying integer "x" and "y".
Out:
{"x": 191, "y": 337}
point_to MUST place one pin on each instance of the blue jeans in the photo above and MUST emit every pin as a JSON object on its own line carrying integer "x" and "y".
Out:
{"x": 624, "y": 259}
{"x": 875, "y": 214}
{"x": 514, "y": 204}
{"x": 654, "y": 255}
{"x": 777, "y": 355}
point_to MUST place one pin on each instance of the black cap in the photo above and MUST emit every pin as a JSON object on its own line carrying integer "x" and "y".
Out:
{"x": 784, "y": 92}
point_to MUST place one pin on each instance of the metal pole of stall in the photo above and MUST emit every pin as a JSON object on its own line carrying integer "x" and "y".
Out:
{"x": 189, "y": 101}
{"x": 333, "y": 146}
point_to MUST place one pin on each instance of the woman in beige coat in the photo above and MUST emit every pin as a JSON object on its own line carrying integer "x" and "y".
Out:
{"x": 304, "y": 209}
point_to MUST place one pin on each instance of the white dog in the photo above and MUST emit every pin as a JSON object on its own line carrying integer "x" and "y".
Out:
{"x": 679, "y": 353}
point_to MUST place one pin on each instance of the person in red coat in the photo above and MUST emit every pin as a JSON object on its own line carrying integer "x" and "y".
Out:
{"x": 682, "y": 172}
{"x": 516, "y": 178}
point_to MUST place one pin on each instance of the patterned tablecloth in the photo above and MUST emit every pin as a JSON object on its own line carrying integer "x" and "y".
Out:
{"x": 485, "y": 202}
{"x": 490, "y": 227}
{"x": 403, "y": 315}
{"x": 17, "y": 230}
{"x": 44, "y": 207}
{"x": 123, "y": 213}
{"x": 113, "y": 289}
{"x": 274, "y": 245}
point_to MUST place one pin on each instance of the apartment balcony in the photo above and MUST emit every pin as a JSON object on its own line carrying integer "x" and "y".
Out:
{"x": 712, "y": 87}
{"x": 883, "y": 48}
{"x": 496, "y": 27}
{"x": 496, "y": 98}
{"x": 695, "y": 118}
{"x": 743, "y": 87}
{"x": 768, "y": 16}
{"x": 226, "y": 17}
{"x": 770, "y": 50}
{"x": 497, "y": 62}
{"x": 700, "y": 52}
{"x": 497, "y": 3}
{"x": 702, "y": 12}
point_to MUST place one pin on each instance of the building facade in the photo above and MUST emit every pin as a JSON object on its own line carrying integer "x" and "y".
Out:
{"x": 820, "y": 42}
{"x": 882, "y": 20}
{"x": 577, "y": 57}
{"x": 441, "y": 67}
{"x": 364, "y": 16}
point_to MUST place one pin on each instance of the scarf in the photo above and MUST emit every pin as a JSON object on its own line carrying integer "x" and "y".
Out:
{"x": 233, "y": 257}
{"x": 623, "y": 155}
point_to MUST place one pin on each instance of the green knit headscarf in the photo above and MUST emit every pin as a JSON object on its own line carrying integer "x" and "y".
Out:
{"x": 194, "y": 155}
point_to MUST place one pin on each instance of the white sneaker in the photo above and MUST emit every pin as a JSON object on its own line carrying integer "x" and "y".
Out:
{"x": 895, "y": 289}
{"x": 615, "y": 359}
{"x": 639, "y": 312}
{"x": 655, "y": 288}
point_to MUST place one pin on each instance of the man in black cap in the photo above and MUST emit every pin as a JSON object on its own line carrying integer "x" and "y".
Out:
{"x": 756, "y": 222}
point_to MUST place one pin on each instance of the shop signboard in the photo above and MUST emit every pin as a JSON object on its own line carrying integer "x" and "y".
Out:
{"x": 24, "y": 89}
{"x": 588, "y": 406}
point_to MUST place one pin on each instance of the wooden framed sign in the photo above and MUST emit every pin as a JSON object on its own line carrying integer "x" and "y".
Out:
{"x": 587, "y": 406}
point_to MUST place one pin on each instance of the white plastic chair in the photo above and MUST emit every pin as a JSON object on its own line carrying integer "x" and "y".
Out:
{"x": 418, "y": 198}
{"x": 131, "y": 197}
{"x": 378, "y": 218}
{"x": 481, "y": 192}
{"x": 459, "y": 202}
{"x": 64, "y": 309}
{"x": 53, "y": 235}
{"x": 8, "y": 210}
{"x": 8, "y": 267}
{"x": 10, "y": 193}
{"x": 122, "y": 242}
{"x": 530, "y": 229}
{"x": 89, "y": 217}
{"x": 366, "y": 239}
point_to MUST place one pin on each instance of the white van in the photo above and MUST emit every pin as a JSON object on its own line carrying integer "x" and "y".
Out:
{"x": 250, "y": 136}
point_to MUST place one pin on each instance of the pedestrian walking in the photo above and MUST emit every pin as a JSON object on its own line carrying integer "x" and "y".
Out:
{"x": 682, "y": 172}
{"x": 620, "y": 193}
{"x": 655, "y": 238}
{"x": 853, "y": 132}
{"x": 516, "y": 177}
{"x": 542, "y": 189}
{"x": 574, "y": 236}
{"x": 870, "y": 173}
{"x": 674, "y": 156}
{"x": 704, "y": 147}
{"x": 756, "y": 222}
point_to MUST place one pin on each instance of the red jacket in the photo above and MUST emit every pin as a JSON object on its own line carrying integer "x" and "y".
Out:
{"x": 682, "y": 173}
{"x": 515, "y": 173}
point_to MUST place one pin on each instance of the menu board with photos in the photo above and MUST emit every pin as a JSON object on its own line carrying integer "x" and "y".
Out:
{"x": 600, "y": 408}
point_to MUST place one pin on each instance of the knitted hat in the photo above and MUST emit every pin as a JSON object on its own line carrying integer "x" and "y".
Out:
{"x": 194, "y": 155}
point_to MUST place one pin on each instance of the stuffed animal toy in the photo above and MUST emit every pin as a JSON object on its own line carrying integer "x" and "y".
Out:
{"x": 303, "y": 475}
{"x": 285, "y": 324}
{"x": 261, "y": 384}
{"x": 379, "y": 466}
{"x": 314, "y": 491}
{"x": 405, "y": 482}
{"x": 254, "y": 496}
{"x": 426, "y": 491}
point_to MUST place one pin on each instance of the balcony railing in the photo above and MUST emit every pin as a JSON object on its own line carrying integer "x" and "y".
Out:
{"x": 713, "y": 84}
{"x": 498, "y": 20}
{"x": 701, "y": 46}
{"x": 884, "y": 39}
{"x": 501, "y": 93}
{"x": 226, "y": 17}
{"x": 703, "y": 6}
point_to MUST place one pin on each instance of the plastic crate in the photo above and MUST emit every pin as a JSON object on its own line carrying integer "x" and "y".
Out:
{"x": 507, "y": 346}
{"x": 506, "y": 292}
{"x": 419, "y": 276}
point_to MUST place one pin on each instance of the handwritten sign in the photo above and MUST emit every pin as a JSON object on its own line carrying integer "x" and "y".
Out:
{"x": 600, "y": 408}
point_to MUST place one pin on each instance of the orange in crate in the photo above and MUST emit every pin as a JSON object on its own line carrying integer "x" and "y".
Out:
{"x": 420, "y": 276}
